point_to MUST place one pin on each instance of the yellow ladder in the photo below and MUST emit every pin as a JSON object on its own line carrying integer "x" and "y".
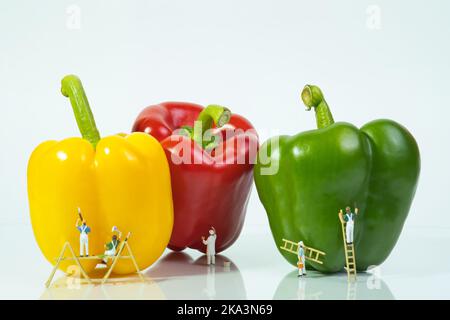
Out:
{"x": 349, "y": 249}
{"x": 311, "y": 254}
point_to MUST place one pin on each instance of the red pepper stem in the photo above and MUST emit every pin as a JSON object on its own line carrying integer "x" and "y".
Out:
{"x": 212, "y": 114}
{"x": 72, "y": 88}
{"x": 313, "y": 98}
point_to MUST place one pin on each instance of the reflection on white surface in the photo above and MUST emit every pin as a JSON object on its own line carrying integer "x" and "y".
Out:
{"x": 181, "y": 277}
{"x": 124, "y": 288}
{"x": 258, "y": 271}
{"x": 176, "y": 276}
{"x": 316, "y": 286}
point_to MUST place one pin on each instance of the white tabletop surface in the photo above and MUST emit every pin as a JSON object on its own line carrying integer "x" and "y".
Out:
{"x": 418, "y": 268}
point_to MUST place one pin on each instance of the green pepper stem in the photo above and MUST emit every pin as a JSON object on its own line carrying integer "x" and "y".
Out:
{"x": 72, "y": 88}
{"x": 212, "y": 114}
{"x": 313, "y": 98}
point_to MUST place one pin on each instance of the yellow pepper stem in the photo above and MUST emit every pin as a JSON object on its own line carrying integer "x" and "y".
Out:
{"x": 72, "y": 88}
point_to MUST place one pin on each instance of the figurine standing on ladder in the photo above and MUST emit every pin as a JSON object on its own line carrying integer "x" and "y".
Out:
{"x": 301, "y": 259}
{"x": 210, "y": 244}
{"x": 349, "y": 219}
{"x": 84, "y": 230}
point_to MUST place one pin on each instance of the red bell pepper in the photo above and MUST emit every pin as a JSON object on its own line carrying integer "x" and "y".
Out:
{"x": 210, "y": 181}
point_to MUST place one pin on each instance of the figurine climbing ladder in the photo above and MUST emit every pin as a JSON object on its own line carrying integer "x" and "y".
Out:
{"x": 311, "y": 254}
{"x": 349, "y": 249}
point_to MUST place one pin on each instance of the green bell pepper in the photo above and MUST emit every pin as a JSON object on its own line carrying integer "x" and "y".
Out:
{"x": 323, "y": 170}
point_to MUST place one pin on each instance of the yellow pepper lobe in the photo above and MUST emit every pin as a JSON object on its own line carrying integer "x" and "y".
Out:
{"x": 124, "y": 183}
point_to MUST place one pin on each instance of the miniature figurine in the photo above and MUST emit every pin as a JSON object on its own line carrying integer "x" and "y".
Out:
{"x": 349, "y": 219}
{"x": 111, "y": 247}
{"x": 303, "y": 253}
{"x": 84, "y": 230}
{"x": 301, "y": 259}
{"x": 210, "y": 244}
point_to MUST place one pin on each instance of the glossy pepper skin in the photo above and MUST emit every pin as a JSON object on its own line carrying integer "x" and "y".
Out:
{"x": 206, "y": 192}
{"x": 121, "y": 181}
{"x": 321, "y": 171}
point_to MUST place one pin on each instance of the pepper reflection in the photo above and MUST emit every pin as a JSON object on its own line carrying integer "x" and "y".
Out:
{"x": 197, "y": 280}
{"x": 332, "y": 287}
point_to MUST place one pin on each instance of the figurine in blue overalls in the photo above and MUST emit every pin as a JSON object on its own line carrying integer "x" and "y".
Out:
{"x": 349, "y": 219}
{"x": 84, "y": 231}
{"x": 301, "y": 264}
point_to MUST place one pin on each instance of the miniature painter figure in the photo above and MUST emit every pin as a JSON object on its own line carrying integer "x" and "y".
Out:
{"x": 303, "y": 253}
{"x": 111, "y": 247}
{"x": 349, "y": 219}
{"x": 210, "y": 244}
{"x": 84, "y": 230}
{"x": 301, "y": 259}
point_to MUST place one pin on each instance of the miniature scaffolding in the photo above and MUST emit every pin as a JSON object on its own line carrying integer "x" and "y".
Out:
{"x": 119, "y": 255}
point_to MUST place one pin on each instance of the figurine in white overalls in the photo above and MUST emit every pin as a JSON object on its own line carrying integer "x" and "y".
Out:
{"x": 84, "y": 239}
{"x": 210, "y": 244}
{"x": 301, "y": 264}
{"x": 349, "y": 219}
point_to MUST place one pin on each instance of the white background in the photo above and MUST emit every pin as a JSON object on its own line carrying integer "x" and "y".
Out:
{"x": 372, "y": 59}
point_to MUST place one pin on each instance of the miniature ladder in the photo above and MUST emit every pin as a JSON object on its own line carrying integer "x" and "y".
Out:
{"x": 311, "y": 254}
{"x": 350, "y": 259}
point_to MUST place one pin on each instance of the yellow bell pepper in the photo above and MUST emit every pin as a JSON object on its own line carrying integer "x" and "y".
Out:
{"x": 121, "y": 181}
